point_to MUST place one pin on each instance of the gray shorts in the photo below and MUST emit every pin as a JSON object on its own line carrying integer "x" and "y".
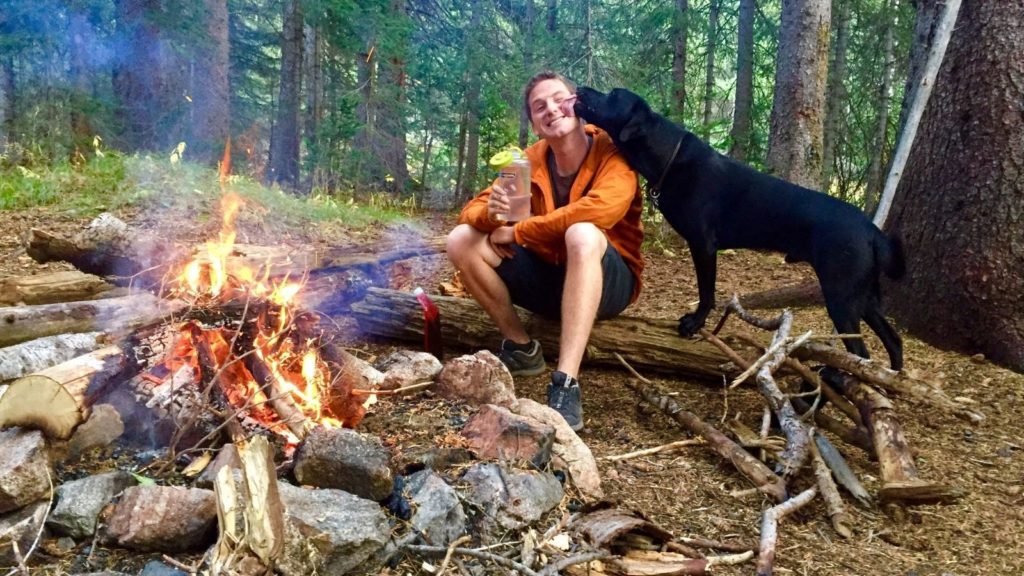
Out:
{"x": 538, "y": 285}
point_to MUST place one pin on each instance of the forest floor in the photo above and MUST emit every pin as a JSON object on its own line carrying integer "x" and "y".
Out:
{"x": 688, "y": 492}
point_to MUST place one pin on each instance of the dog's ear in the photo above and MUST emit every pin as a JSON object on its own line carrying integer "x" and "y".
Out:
{"x": 631, "y": 129}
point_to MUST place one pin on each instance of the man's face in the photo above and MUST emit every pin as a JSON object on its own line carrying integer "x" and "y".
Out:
{"x": 545, "y": 113}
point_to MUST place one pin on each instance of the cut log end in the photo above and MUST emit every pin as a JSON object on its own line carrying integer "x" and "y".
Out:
{"x": 40, "y": 403}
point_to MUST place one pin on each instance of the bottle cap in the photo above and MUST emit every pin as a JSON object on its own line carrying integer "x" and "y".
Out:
{"x": 505, "y": 157}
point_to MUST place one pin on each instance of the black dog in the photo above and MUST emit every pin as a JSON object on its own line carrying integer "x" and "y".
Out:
{"x": 715, "y": 203}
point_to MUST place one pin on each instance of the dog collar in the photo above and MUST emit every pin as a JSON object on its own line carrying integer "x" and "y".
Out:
{"x": 653, "y": 192}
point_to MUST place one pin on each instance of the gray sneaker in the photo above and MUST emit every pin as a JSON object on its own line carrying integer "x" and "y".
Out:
{"x": 522, "y": 362}
{"x": 564, "y": 397}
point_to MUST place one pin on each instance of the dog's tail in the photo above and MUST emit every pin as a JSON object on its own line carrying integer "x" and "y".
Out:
{"x": 889, "y": 253}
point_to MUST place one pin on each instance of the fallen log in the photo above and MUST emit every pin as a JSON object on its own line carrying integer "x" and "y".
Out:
{"x": 760, "y": 475}
{"x": 900, "y": 481}
{"x": 35, "y": 355}
{"x": 57, "y": 400}
{"x": 109, "y": 248}
{"x": 63, "y": 286}
{"x": 651, "y": 345}
{"x": 791, "y": 296}
{"x": 113, "y": 315}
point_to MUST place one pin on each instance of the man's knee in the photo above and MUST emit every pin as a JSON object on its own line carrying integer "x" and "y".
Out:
{"x": 585, "y": 240}
{"x": 461, "y": 242}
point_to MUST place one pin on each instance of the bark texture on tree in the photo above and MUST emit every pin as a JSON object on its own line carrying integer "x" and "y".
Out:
{"x": 873, "y": 190}
{"x": 679, "y": 35}
{"x": 709, "y": 69}
{"x": 834, "y": 110}
{"x": 284, "y": 142}
{"x": 960, "y": 207}
{"x": 742, "y": 113}
{"x": 210, "y": 103}
{"x": 798, "y": 108}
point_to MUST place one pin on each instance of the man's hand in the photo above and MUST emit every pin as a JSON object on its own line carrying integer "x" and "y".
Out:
{"x": 501, "y": 241}
{"x": 497, "y": 205}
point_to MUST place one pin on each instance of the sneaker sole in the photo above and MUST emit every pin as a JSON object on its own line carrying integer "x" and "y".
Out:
{"x": 530, "y": 372}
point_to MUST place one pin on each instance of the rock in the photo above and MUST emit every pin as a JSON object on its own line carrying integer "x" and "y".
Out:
{"x": 508, "y": 500}
{"x": 80, "y": 502}
{"x": 346, "y": 460}
{"x": 101, "y": 429}
{"x": 495, "y": 432}
{"x": 24, "y": 468}
{"x": 477, "y": 379}
{"x": 162, "y": 518}
{"x": 329, "y": 532}
{"x": 158, "y": 568}
{"x": 406, "y": 367}
{"x": 21, "y": 527}
{"x": 568, "y": 449}
{"x": 439, "y": 513}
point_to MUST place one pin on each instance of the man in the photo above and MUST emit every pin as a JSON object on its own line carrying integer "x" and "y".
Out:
{"x": 576, "y": 258}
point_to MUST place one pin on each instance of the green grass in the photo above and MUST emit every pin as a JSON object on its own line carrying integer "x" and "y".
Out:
{"x": 114, "y": 181}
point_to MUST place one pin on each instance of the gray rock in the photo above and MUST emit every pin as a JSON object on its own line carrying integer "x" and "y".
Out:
{"x": 24, "y": 468}
{"x": 21, "y": 527}
{"x": 439, "y": 513}
{"x": 506, "y": 500}
{"x": 158, "y": 568}
{"x": 80, "y": 502}
{"x": 101, "y": 429}
{"x": 477, "y": 379}
{"x": 346, "y": 460}
{"x": 329, "y": 532}
{"x": 570, "y": 452}
{"x": 406, "y": 367}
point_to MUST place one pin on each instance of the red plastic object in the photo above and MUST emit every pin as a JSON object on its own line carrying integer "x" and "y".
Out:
{"x": 431, "y": 324}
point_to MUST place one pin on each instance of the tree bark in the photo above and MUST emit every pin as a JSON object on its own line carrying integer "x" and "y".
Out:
{"x": 393, "y": 87}
{"x": 959, "y": 203}
{"x": 284, "y": 142}
{"x": 474, "y": 65}
{"x": 528, "y": 56}
{"x": 63, "y": 286}
{"x": 797, "y": 119}
{"x": 873, "y": 186}
{"x": 10, "y": 107}
{"x": 82, "y": 40}
{"x": 680, "y": 31}
{"x": 836, "y": 100}
{"x": 709, "y": 70}
{"x": 21, "y": 359}
{"x": 210, "y": 87}
{"x": 743, "y": 108}
{"x": 653, "y": 345}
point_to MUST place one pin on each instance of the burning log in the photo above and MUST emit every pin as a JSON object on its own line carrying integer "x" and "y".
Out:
{"x": 63, "y": 286}
{"x": 653, "y": 345}
{"x": 900, "y": 481}
{"x": 23, "y": 323}
{"x": 57, "y": 399}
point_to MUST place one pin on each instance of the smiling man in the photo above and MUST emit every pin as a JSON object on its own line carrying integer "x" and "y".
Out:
{"x": 577, "y": 258}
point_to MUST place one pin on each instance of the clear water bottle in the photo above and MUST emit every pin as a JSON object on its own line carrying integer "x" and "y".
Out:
{"x": 514, "y": 170}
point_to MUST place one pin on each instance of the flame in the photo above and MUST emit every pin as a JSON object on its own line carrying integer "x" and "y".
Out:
{"x": 299, "y": 376}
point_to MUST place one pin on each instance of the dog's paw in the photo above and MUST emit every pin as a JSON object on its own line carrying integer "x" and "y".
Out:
{"x": 689, "y": 324}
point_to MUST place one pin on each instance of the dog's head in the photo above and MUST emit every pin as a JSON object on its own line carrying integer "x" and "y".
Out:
{"x": 619, "y": 112}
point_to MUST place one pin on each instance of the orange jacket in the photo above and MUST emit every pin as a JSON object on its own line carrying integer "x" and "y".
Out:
{"x": 605, "y": 193}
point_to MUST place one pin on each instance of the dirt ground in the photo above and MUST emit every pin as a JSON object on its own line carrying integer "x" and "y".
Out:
{"x": 688, "y": 491}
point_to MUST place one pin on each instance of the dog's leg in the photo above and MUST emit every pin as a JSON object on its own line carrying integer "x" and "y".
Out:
{"x": 886, "y": 333}
{"x": 705, "y": 262}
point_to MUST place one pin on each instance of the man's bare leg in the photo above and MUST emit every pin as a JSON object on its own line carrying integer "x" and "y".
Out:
{"x": 471, "y": 253}
{"x": 584, "y": 281}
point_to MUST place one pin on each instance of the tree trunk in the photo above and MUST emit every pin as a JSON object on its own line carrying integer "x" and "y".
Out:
{"x": 81, "y": 41}
{"x": 284, "y": 142}
{"x": 552, "y": 16}
{"x": 313, "y": 58}
{"x": 679, "y": 33}
{"x": 528, "y": 22}
{"x": 367, "y": 169}
{"x": 474, "y": 65}
{"x": 394, "y": 88}
{"x": 709, "y": 71}
{"x": 836, "y": 103}
{"x": 873, "y": 186}
{"x": 210, "y": 88}
{"x": 795, "y": 142}
{"x": 959, "y": 203}
{"x": 743, "y": 108}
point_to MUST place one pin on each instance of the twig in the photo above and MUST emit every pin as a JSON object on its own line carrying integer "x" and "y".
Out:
{"x": 499, "y": 560}
{"x": 656, "y": 449}
{"x": 395, "y": 391}
{"x": 451, "y": 548}
{"x": 829, "y": 491}
{"x": 556, "y": 568}
{"x": 770, "y": 528}
{"x": 181, "y": 565}
{"x": 784, "y": 344}
{"x": 716, "y": 545}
